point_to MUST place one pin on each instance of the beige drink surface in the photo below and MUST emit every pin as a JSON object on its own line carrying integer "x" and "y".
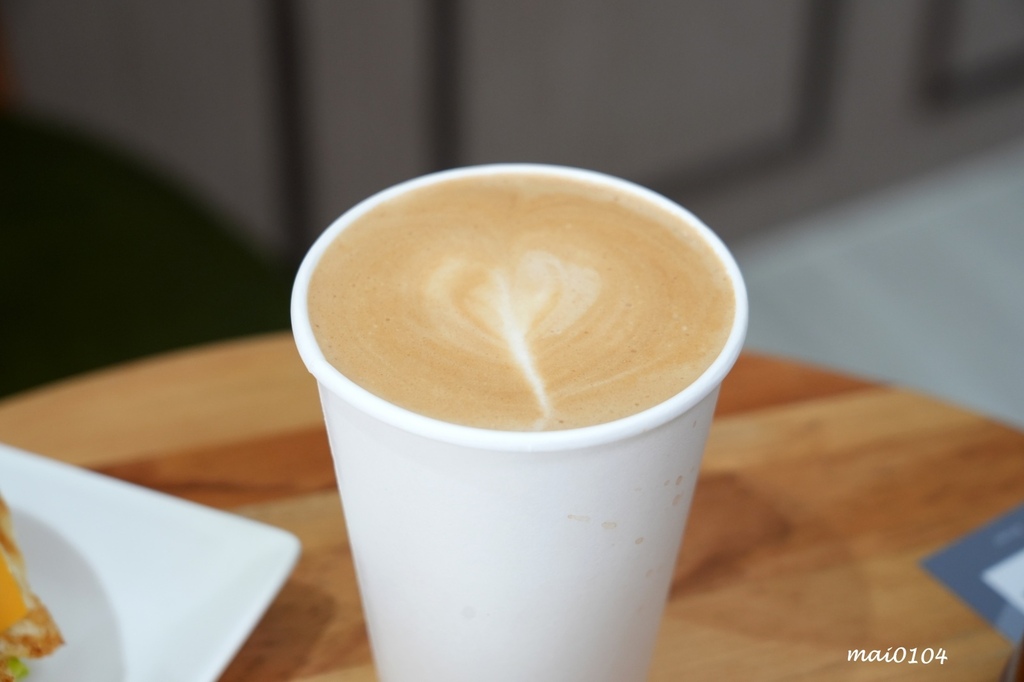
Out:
{"x": 520, "y": 302}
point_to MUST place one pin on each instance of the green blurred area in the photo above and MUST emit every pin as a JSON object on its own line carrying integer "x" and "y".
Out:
{"x": 103, "y": 260}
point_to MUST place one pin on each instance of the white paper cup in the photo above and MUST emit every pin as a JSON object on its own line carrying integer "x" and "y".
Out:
{"x": 501, "y": 556}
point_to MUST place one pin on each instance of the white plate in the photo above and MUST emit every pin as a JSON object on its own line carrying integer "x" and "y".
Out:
{"x": 144, "y": 586}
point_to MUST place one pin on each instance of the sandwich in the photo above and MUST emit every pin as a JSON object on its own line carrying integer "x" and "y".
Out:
{"x": 26, "y": 628}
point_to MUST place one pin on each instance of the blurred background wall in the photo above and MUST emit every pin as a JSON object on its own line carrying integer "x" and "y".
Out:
{"x": 765, "y": 117}
{"x": 282, "y": 113}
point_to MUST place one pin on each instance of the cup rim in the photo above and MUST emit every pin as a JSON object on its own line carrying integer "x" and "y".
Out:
{"x": 334, "y": 381}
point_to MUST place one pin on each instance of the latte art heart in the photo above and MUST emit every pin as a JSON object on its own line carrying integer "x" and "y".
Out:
{"x": 510, "y": 307}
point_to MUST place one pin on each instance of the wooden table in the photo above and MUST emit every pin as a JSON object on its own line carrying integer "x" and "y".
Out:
{"x": 819, "y": 496}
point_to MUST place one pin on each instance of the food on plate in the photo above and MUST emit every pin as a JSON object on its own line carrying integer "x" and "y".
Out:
{"x": 26, "y": 628}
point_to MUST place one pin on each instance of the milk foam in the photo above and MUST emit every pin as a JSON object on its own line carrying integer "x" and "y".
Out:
{"x": 510, "y": 305}
{"x": 520, "y": 304}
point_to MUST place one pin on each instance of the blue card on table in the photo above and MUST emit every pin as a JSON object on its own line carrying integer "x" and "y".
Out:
{"x": 986, "y": 569}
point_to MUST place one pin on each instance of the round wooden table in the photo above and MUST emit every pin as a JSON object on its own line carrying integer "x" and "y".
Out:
{"x": 818, "y": 497}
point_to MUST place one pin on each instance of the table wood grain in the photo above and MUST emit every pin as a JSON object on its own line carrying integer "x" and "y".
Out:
{"x": 818, "y": 498}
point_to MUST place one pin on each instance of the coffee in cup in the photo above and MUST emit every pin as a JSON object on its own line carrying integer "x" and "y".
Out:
{"x": 521, "y": 302}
